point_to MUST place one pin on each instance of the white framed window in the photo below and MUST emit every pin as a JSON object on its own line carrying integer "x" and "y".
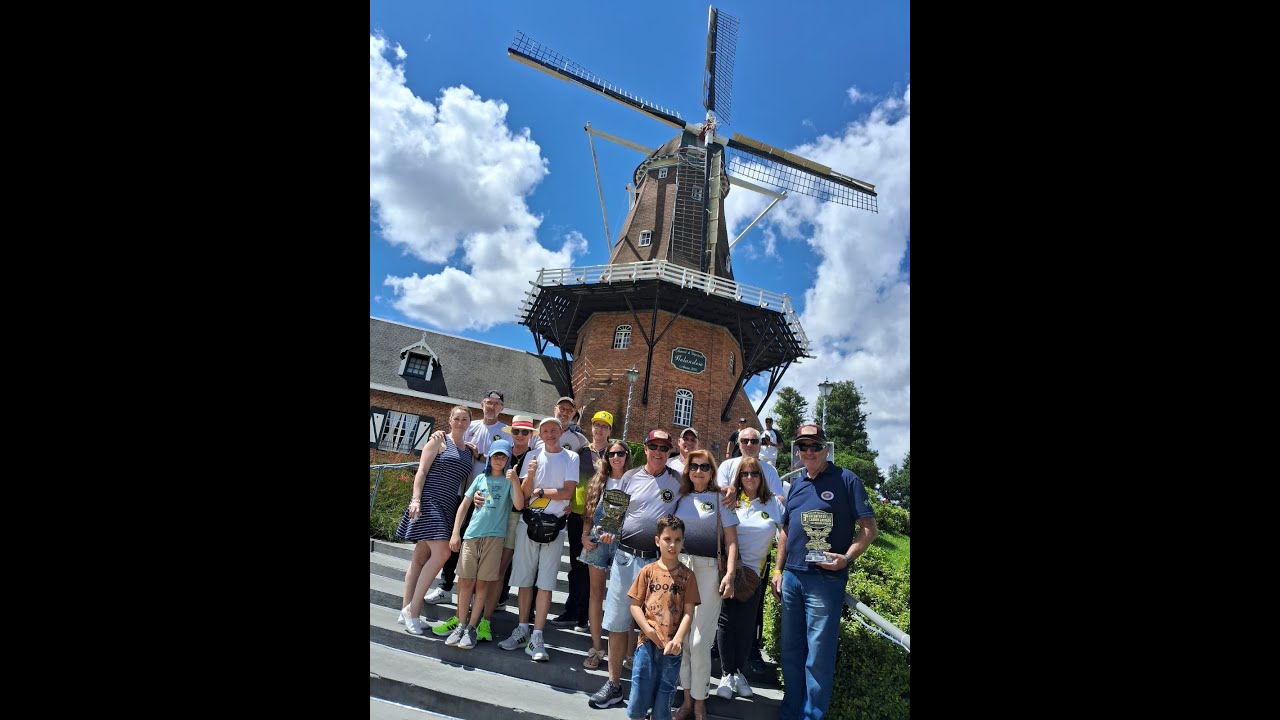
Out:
{"x": 622, "y": 337}
{"x": 646, "y": 238}
{"x": 399, "y": 434}
{"x": 684, "y": 408}
{"x": 697, "y": 193}
{"x": 417, "y": 366}
{"x": 662, "y": 173}
{"x": 733, "y": 363}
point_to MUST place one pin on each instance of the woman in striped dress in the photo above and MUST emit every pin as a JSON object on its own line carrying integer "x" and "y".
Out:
{"x": 428, "y": 521}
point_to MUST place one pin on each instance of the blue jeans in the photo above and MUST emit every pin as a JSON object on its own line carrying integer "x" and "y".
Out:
{"x": 811, "y": 603}
{"x": 653, "y": 682}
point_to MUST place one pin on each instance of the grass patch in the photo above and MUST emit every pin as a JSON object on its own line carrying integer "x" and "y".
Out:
{"x": 897, "y": 546}
{"x": 393, "y": 493}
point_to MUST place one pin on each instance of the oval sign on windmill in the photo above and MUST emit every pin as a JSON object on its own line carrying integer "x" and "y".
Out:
{"x": 688, "y": 360}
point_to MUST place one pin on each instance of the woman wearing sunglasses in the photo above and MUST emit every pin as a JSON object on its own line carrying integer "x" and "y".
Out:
{"x": 597, "y": 554}
{"x": 704, "y": 515}
{"x": 759, "y": 517}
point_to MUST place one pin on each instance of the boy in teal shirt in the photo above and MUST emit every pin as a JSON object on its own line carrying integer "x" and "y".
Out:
{"x": 481, "y": 550}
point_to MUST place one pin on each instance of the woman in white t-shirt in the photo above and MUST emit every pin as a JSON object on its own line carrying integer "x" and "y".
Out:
{"x": 759, "y": 517}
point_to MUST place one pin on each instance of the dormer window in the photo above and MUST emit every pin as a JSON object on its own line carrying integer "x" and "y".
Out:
{"x": 646, "y": 238}
{"x": 418, "y": 360}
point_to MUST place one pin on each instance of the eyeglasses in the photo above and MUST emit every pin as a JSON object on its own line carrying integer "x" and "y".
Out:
{"x": 750, "y": 473}
{"x": 805, "y": 447}
{"x": 617, "y": 453}
{"x": 525, "y": 431}
{"x": 699, "y": 467}
{"x": 663, "y": 448}
{"x": 748, "y": 441}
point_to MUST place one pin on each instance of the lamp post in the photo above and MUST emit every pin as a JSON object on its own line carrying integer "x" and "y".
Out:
{"x": 632, "y": 375}
{"x": 824, "y": 388}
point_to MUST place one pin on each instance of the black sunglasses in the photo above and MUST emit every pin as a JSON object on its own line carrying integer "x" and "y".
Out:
{"x": 699, "y": 467}
{"x": 748, "y": 441}
{"x": 617, "y": 453}
{"x": 663, "y": 448}
{"x": 494, "y": 392}
{"x": 524, "y": 431}
{"x": 750, "y": 473}
{"x": 805, "y": 447}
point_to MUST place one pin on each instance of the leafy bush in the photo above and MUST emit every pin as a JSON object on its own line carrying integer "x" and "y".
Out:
{"x": 872, "y": 675}
{"x": 393, "y": 493}
{"x": 892, "y": 518}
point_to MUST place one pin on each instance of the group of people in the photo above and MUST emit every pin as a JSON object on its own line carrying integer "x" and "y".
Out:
{"x": 656, "y": 548}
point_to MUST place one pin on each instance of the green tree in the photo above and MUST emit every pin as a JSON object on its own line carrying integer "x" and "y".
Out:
{"x": 846, "y": 422}
{"x": 898, "y": 486}
{"x": 788, "y": 414}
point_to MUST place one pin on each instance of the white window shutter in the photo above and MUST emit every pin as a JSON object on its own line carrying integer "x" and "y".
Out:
{"x": 377, "y": 425}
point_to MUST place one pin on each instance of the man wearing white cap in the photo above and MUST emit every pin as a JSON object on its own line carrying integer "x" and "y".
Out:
{"x": 687, "y": 443}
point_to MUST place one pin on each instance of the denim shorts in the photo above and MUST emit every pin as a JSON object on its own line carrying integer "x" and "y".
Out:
{"x": 600, "y": 558}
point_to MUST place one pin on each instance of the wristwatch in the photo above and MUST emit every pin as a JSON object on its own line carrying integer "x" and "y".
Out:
{"x": 848, "y": 559}
{"x": 542, "y": 492}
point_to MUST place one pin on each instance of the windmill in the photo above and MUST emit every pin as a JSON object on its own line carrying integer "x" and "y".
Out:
{"x": 673, "y": 250}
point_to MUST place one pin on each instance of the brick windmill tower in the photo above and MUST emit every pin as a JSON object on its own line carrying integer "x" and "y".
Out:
{"x": 666, "y": 306}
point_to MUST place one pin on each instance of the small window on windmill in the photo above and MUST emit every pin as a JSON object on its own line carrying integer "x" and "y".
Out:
{"x": 662, "y": 173}
{"x": 646, "y": 238}
{"x": 697, "y": 193}
{"x": 733, "y": 364}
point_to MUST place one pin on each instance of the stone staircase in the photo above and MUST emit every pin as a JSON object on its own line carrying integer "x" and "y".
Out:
{"x": 410, "y": 673}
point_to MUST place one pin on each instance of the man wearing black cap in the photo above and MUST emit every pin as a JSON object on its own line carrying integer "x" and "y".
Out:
{"x": 825, "y": 504}
{"x": 732, "y": 450}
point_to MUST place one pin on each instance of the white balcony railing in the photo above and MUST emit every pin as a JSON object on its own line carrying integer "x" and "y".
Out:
{"x": 671, "y": 273}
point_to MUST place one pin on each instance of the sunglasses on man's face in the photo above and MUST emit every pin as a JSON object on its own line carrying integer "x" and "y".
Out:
{"x": 617, "y": 453}
{"x": 810, "y": 448}
{"x": 525, "y": 431}
{"x": 750, "y": 473}
{"x": 699, "y": 467}
{"x": 748, "y": 441}
{"x": 663, "y": 448}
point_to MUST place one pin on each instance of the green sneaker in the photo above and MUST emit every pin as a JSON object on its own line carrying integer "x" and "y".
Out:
{"x": 482, "y": 632}
{"x": 446, "y": 627}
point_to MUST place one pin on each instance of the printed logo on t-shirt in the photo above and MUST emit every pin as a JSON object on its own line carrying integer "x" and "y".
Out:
{"x": 667, "y": 495}
{"x": 827, "y": 495}
{"x": 567, "y": 446}
{"x": 706, "y": 507}
{"x": 676, "y": 588}
{"x": 497, "y": 436}
{"x": 764, "y": 514}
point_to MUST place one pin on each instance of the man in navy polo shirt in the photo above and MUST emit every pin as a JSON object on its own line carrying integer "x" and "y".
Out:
{"x": 828, "y": 500}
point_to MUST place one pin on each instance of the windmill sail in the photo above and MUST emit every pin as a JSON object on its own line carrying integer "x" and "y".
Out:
{"x": 764, "y": 163}
{"x": 717, "y": 78}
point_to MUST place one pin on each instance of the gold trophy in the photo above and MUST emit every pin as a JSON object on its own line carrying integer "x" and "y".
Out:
{"x": 615, "y": 511}
{"x": 817, "y": 526}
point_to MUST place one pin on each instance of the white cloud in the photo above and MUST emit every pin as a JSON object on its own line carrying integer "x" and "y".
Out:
{"x": 857, "y": 313}
{"x": 857, "y": 96}
{"x": 448, "y": 182}
{"x": 807, "y": 123}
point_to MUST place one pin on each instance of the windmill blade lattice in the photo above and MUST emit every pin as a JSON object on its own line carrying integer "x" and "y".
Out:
{"x": 790, "y": 172}
{"x": 717, "y": 78}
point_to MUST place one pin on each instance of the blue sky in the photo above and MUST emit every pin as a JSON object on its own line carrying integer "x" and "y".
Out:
{"x": 481, "y": 173}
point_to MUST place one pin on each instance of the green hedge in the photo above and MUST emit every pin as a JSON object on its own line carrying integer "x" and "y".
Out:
{"x": 872, "y": 675}
{"x": 393, "y": 493}
{"x": 891, "y": 518}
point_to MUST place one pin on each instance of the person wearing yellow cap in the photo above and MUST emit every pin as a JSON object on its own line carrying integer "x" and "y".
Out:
{"x": 576, "y": 606}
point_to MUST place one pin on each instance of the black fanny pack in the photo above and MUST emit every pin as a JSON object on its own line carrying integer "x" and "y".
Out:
{"x": 542, "y": 528}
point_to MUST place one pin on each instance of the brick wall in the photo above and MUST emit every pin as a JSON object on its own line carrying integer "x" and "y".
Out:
{"x": 437, "y": 410}
{"x": 711, "y": 388}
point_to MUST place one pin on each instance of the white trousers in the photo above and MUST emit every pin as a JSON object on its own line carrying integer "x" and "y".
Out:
{"x": 695, "y": 666}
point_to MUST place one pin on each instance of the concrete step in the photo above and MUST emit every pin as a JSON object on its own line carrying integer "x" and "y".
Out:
{"x": 383, "y": 710}
{"x": 390, "y": 565}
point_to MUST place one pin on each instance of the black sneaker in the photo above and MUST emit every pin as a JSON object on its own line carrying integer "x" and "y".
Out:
{"x": 607, "y": 695}
{"x": 563, "y": 621}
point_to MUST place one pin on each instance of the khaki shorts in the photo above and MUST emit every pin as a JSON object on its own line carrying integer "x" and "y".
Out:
{"x": 481, "y": 559}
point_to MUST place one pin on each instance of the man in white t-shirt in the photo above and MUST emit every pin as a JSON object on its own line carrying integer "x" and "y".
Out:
{"x": 571, "y": 437}
{"x": 687, "y": 443}
{"x": 550, "y": 488}
{"x": 749, "y": 441}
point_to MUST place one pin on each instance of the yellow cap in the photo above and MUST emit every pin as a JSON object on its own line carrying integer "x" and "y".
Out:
{"x": 603, "y": 416}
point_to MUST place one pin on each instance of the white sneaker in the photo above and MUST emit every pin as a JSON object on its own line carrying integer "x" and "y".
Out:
{"x": 456, "y": 636}
{"x": 536, "y": 650}
{"x": 439, "y": 595}
{"x": 518, "y": 638}
{"x": 404, "y": 614}
{"x": 740, "y": 685}
{"x": 726, "y": 687}
{"x": 413, "y": 625}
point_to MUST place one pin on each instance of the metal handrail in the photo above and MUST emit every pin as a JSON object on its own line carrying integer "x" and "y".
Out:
{"x": 377, "y": 480}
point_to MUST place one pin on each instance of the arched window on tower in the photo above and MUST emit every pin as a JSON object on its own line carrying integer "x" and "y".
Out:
{"x": 622, "y": 337}
{"x": 684, "y": 408}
